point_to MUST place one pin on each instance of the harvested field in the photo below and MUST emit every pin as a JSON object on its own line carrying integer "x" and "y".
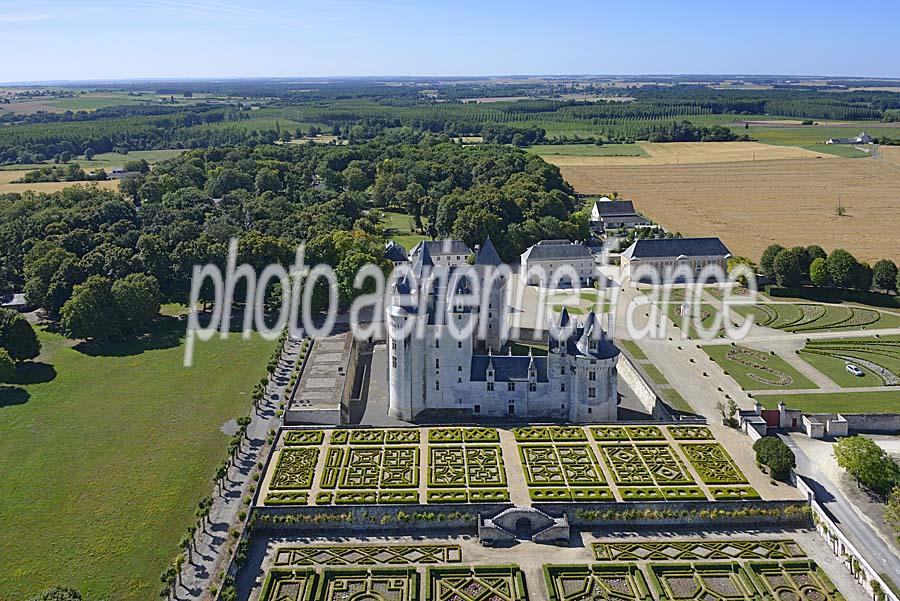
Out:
{"x": 7, "y": 177}
{"x": 690, "y": 153}
{"x": 752, "y": 205}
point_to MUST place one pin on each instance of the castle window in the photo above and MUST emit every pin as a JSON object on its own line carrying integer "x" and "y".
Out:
{"x": 512, "y": 408}
{"x": 589, "y": 409}
{"x": 394, "y": 362}
{"x": 593, "y": 362}
{"x": 459, "y": 344}
{"x": 592, "y": 375}
{"x": 437, "y": 363}
{"x": 490, "y": 386}
{"x": 532, "y": 387}
{"x": 562, "y": 370}
{"x": 459, "y": 368}
{"x": 437, "y": 343}
{"x": 562, "y": 387}
{"x": 459, "y": 380}
{"x": 592, "y": 392}
{"x": 477, "y": 409}
{"x": 437, "y": 384}
{"x": 511, "y": 386}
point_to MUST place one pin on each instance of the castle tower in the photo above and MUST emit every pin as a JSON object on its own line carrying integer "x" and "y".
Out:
{"x": 487, "y": 263}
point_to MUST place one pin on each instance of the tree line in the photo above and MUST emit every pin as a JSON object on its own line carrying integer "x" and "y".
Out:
{"x": 791, "y": 267}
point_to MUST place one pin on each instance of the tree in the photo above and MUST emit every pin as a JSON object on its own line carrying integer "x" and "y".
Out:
{"x": 862, "y": 276}
{"x": 814, "y": 251}
{"x": 17, "y": 336}
{"x": 787, "y": 269}
{"x": 91, "y": 312}
{"x": 841, "y": 267}
{"x": 818, "y": 272}
{"x": 7, "y": 367}
{"x": 728, "y": 412}
{"x": 767, "y": 261}
{"x": 884, "y": 275}
{"x": 892, "y": 511}
{"x": 58, "y": 593}
{"x": 136, "y": 301}
{"x": 867, "y": 463}
{"x": 267, "y": 181}
{"x": 89, "y": 153}
{"x": 773, "y": 452}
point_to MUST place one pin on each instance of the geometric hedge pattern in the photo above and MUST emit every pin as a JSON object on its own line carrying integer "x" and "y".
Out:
{"x": 590, "y": 583}
{"x": 479, "y": 583}
{"x": 701, "y": 550}
{"x": 713, "y": 463}
{"x": 466, "y": 465}
{"x": 676, "y": 570}
{"x": 346, "y": 555}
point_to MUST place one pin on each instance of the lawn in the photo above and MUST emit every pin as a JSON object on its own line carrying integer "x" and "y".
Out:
{"x": 835, "y": 369}
{"x": 633, "y": 348}
{"x": 813, "y": 317}
{"x": 830, "y": 402}
{"x": 831, "y": 357}
{"x": 105, "y": 457}
{"x": 399, "y": 228}
{"x": 108, "y": 160}
{"x": 588, "y": 150}
{"x": 757, "y": 370}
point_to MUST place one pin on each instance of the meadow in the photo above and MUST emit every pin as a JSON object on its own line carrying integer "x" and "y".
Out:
{"x": 399, "y": 227}
{"x": 126, "y": 440}
{"x": 831, "y": 402}
{"x": 587, "y": 150}
{"x": 7, "y": 177}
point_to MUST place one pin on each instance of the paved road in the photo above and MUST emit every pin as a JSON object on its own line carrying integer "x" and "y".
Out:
{"x": 873, "y": 548}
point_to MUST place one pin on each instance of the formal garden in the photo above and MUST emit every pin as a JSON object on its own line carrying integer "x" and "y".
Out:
{"x": 753, "y": 369}
{"x": 467, "y": 465}
{"x": 812, "y": 317}
{"x": 627, "y": 569}
{"x": 878, "y": 358}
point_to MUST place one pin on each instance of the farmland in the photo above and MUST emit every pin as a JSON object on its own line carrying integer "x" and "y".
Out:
{"x": 673, "y": 153}
{"x": 9, "y": 176}
{"x": 753, "y": 204}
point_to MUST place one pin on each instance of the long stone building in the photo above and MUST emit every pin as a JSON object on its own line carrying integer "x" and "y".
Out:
{"x": 433, "y": 370}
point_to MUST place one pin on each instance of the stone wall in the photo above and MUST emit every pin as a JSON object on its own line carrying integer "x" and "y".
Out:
{"x": 639, "y": 383}
{"x": 874, "y": 423}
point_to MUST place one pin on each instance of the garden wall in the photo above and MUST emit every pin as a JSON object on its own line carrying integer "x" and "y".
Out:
{"x": 640, "y": 385}
{"x": 462, "y": 519}
{"x": 874, "y": 423}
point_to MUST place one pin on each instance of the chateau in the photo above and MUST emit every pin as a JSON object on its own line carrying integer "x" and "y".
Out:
{"x": 431, "y": 370}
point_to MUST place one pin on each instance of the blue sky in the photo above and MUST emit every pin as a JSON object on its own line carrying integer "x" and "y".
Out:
{"x": 100, "y": 39}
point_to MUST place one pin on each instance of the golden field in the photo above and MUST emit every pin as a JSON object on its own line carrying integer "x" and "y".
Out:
{"x": 753, "y": 204}
{"x": 7, "y": 177}
{"x": 691, "y": 153}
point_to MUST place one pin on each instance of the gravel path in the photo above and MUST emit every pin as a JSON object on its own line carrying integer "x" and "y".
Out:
{"x": 209, "y": 556}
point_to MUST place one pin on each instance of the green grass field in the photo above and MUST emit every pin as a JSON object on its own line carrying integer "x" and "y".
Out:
{"x": 633, "y": 348}
{"x": 588, "y": 150}
{"x": 104, "y": 458}
{"x": 399, "y": 228}
{"x": 108, "y": 160}
{"x": 814, "y": 317}
{"x": 835, "y": 369}
{"x": 829, "y": 402}
{"x": 751, "y": 369}
{"x": 841, "y": 150}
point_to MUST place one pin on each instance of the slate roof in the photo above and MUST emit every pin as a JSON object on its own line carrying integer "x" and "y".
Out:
{"x": 442, "y": 247}
{"x": 608, "y": 208}
{"x": 395, "y": 252}
{"x": 508, "y": 368}
{"x": 487, "y": 254}
{"x": 676, "y": 247}
{"x": 565, "y": 250}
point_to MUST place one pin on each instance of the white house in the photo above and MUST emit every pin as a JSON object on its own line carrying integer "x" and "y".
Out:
{"x": 436, "y": 372}
{"x": 446, "y": 253}
{"x": 609, "y": 214}
{"x": 862, "y": 138}
{"x": 674, "y": 259}
{"x": 541, "y": 260}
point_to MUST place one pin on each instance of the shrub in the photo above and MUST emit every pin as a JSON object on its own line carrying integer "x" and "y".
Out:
{"x": 774, "y": 453}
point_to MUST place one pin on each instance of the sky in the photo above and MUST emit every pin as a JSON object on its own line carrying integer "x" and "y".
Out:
{"x": 46, "y": 40}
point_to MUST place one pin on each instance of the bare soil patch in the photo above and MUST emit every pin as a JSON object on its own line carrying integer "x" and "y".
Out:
{"x": 753, "y": 204}
{"x": 7, "y": 177}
